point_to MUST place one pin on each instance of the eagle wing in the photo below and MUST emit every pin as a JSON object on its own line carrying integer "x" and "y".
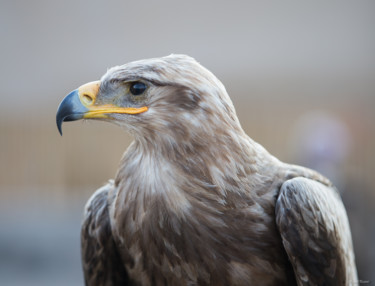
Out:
{"x": 315, "y": 232}
{"x": 101, "y": 261}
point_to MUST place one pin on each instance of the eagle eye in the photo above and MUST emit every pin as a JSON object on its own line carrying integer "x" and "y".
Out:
{"x": 137, "y": 88}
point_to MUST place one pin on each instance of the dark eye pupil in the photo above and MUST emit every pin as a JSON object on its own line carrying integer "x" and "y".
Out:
{"x": 137, "y": 88}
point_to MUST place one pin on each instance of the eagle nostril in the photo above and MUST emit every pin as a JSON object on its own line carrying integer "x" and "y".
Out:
{"x": 87, "y": 99}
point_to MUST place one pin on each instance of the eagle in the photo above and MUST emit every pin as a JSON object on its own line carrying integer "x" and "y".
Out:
{"x": 195, "y": 201}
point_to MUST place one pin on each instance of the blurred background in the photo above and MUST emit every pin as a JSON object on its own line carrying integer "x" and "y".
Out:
{"x": 301, "y": 75}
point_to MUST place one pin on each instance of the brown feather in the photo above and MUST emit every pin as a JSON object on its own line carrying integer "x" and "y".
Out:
{"x": 194, "y": 199}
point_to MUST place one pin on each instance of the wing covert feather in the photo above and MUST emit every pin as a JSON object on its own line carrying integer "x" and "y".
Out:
{"x": 101, "y": 261}
{"x": 315, "y": 231}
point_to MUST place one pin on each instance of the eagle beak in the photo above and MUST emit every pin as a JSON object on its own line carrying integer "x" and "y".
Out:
{"x": 80, "y": 104}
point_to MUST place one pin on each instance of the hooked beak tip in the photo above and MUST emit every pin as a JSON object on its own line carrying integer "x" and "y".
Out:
{"x": 70, "y": 109}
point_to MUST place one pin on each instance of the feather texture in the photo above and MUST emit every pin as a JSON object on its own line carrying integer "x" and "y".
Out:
{"x": 315, "y": 232}
{"x": 197, "y": 202}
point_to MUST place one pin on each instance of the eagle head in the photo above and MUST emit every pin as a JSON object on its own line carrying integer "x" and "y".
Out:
{"x": 153, "y": 99}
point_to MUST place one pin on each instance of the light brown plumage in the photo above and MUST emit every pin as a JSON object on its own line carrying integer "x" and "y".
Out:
{"x": 197, "y": 202}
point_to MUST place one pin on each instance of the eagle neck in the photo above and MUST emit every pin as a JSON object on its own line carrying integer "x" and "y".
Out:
{"x": 217, "y": 164}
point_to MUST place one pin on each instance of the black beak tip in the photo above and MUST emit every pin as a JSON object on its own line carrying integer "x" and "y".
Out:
{"x": 59, "y": 122}
{"x": 62, "y": 112}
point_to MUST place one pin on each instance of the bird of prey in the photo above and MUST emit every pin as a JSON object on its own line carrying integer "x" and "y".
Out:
{"x": 196, "y": 201}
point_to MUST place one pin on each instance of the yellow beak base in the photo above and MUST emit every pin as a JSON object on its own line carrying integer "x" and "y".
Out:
{"x": 80, "y": 103}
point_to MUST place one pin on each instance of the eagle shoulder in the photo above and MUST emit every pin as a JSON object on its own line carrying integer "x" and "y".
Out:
{"x": 313, "y": 224}
{"x": 100, "y": 258}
